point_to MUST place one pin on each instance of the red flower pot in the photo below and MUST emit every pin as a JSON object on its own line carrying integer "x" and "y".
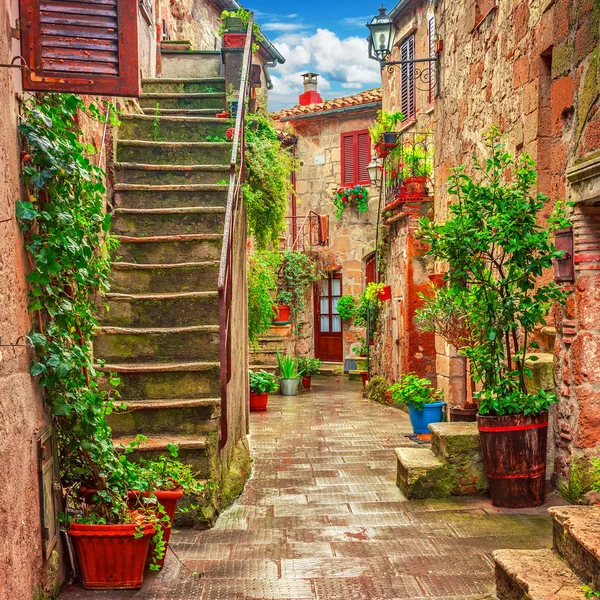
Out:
{"x": 109, "y": 556}
{"x": 414, "y": 187}
{"x": 385, "y": 293}
{"x": 234, "y": 40}
{"x": 258, "y": 402}
{"x": 306, "y": 382}
{"x": 364, "y": 375}
{"x": 168, "y": 500}
{"x": 283, "y": 314}
{"x": 437, "y": 279}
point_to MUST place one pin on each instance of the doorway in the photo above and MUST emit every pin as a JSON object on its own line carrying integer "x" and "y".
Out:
{"x": 329, "y": 342}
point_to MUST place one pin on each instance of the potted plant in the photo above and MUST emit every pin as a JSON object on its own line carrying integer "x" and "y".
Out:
{"x": 346, "y": 307}
{"x": 383, "y": 134}
{"x": 417, "y": 166}
{"x": 234, "y": 26}
{"x": 289, "y": 374}
{"x": 295, "y": 275}
{"x": 261, "y": 385}
{"x": 352, "y": 196}
{"x": 425, "y": 404}
{"x": 282, "y": 314}
{"x": 497, "y": 246}
{"x": 309, "y": 367}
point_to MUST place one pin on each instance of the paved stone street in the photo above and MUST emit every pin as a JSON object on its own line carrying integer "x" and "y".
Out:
{"x": 322, "y": 518}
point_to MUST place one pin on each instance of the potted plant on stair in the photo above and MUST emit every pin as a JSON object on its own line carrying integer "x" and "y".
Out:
{"x": 309, "y": 367}
{"x": 289, "y": 374}
{"x": 497, "y": 246}
{"x": 425, "y": 404}
{"x": 261, "y": 385}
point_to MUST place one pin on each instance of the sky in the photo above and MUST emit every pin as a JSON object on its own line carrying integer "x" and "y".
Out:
{"x": 322, "y": 36}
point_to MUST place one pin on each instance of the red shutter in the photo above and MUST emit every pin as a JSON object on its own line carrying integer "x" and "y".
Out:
{"x": 407, "y": 78}
{"x": 88, "y": 47}
{"x": 348, "y": 159}
{"x": 363, "y": 156}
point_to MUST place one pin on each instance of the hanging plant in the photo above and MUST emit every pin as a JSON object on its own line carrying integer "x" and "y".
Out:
{"x": 353, "y": 196}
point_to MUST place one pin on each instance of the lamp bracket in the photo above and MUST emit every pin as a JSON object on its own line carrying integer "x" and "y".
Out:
{"x": 424, "y": 75}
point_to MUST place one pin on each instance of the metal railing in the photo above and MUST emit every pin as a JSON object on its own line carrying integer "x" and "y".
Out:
{"x": 304, "y": 232}
{"x": 408, "y": 168}
{"x": 234, "y": 202}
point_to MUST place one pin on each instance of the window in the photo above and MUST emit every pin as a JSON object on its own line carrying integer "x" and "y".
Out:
{"x": 407, "y": 78}
{"x": 88, "y": 48}
{"x": 432, "y": 73}
{"x": 356, "y": 156}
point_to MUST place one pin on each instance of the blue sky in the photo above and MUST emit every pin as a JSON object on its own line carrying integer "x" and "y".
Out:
{"x": 323, "y": 36}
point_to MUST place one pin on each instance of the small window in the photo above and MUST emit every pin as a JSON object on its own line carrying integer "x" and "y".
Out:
{"x": 407, "y": 78}
{"x": 356, "y": 156}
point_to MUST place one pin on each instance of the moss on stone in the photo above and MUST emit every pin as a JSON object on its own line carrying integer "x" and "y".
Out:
{"x": 589, "y": 91}
{"x": 233, "y": 481}
{"x": 581, "y": 478}
{"x": 562, "y": 58}
{"x": 376, "y": 388}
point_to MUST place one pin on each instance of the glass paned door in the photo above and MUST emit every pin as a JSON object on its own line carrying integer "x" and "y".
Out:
{"x": 328, "y": 324}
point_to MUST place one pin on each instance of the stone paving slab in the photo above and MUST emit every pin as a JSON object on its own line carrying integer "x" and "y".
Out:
{"x": 322, "y": 519}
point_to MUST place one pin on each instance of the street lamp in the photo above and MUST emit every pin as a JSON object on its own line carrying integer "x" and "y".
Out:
{"x": 373, "y": 170}
{"x": 381, "y": 38}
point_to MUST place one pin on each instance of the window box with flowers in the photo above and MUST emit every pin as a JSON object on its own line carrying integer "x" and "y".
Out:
{"x": 353, "y": 196}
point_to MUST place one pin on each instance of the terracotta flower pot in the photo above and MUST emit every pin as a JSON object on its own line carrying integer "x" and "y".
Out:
{"x": 110, "y": 556}
{"x": 283, "y": 314}
{"x": 258, "y": 402}
{"x": 306, "y": 382}
{"x": 414, "y": 187}
{"x": 385, "y": 293}
{"x": 234, "y": 40}
{"x": 437, "y": 279}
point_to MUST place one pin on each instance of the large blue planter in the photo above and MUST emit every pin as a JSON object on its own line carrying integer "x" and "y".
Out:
{"x": 420, "y": 419}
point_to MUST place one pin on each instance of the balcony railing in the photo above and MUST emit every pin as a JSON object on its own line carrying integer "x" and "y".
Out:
{"x": 408, "y": 169}
{"x": 304, "y": 232}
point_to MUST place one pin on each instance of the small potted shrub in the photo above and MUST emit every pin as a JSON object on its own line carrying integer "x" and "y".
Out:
{"x": 357, "y": 196}
{"x": 346, "y": 307}
{"x": 425, "y": 404}
{"x": 261, "y": 385}
{"x": 234, "y": 27}
{"x": 309, "y": 367}
{"x": 417, "y": 161}
{"x": 289, "y": 374}
{"x": 383, "y": 134}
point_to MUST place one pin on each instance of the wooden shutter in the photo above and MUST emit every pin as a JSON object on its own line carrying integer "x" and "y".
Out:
{"x": 88, "y": 47}
{"x": 348, "y": 159}
{"x": 407, "y": 75}
{"x": 363, "y": 145}
{"x": 432, "y": 73}
{"x": 356, "y": 156}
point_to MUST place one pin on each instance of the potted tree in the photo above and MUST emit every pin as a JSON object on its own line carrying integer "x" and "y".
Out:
{"x": 261, "y": 385}
{"x": 497, "y": 246}
{"x": 425, "y": 404}
{"x": 309, "y": 367}
{"x": 289, "y": 374}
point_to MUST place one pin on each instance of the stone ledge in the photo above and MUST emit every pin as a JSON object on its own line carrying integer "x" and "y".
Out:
{"x": 421, "y": 474}
{"x": 454, "y": 439}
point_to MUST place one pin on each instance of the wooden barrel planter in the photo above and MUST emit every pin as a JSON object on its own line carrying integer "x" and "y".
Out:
{"x": 514, "y": 452}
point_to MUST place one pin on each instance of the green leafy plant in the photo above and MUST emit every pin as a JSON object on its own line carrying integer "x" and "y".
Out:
{"x": 412, "y": 158}
{"x": 362, "y": 347}
{"x": 346, "y": 307}
{"x": 372, "y": 291}
{"x": 376, "y": 388}
{"x": 262, "y": 382}
{"x": 262, "y": 287}
{"x": 217, "y": 138}
{"x": 589, "y": 592}
{"x": 308, "y": 365}
{"x": 222, "y": 182}
{"x": 415, "y": 391}
{"x": 353, "y": 196}
{"x": 288, "y": 367}
{"x": 385, "y": 122}
{"x": 296, "y": 274}
{"x": 497, "y": 247}
{"x": 244, "y": 16}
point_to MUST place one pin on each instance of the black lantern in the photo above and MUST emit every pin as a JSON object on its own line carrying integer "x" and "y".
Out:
{"x": 381, "y": 40}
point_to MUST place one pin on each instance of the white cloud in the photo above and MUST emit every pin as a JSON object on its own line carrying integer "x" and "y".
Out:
{"x": 357, "y": 22}
{"x": 284, "y": 27}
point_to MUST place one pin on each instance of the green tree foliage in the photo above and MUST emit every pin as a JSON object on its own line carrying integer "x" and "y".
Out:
{"x": 297, "y": 273}
{"x": 262, "y": 287}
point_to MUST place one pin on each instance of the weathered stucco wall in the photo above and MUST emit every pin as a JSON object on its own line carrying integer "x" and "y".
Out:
{"x": 195, "y": 21}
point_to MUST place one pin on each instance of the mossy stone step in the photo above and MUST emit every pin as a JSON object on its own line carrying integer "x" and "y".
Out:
{"x": 263, "y": 357}
{"x": 174, "y": 153}
{"x": 155, "y": 381}
{"x": 193, "y": 449}
{"x": 272, "y": 342}
{"x": 216, "y": 101}
{"x": 170, "y": 196}
{"x": 172, "y": 129}
{"x": 188, "y": 416}
{"x": 186, "y": 86}
{"x": 190, "y": 63}
{"x": 183, "y": 112}
{"x": 150, "y": 174}
{"x": 535, "y": 575}
{"x": 167, "y": 221}
{"x": 421, "y": 474}
{"x": 161, "y": 310}
{"x": 126, "y": 344}
{"x": 164, "y": 278}
{"x": 170, "y": 249}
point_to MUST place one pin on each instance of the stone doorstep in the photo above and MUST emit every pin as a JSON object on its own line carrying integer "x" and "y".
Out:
{"x": 455, "y": 440}
{"x": 421, "y": 474}
{"x": 535, "y": 575}
{"x": 576, "y": 534}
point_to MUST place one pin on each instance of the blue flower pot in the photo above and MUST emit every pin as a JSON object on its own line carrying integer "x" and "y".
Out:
{"x": 420, "y": 419}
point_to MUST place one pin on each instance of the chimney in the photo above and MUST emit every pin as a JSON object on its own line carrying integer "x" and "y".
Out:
{"x": 311, "y": 94}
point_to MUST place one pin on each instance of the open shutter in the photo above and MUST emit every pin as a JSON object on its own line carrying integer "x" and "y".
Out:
{"x": 88, "y": 47}
{"x": 432, "y": 73}
{"x": 348, "y": 159}
{"x": 407, "y": 75}
{"x": 363, "y": 156}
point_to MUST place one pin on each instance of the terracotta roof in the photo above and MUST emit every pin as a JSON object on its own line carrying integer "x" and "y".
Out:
{"x": 366, "y": 97}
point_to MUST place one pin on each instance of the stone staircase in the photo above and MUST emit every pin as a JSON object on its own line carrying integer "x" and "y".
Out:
{"x": 560, "y": 573}
{"x": 160, "y": 332}
{"x": 265, "y": 355}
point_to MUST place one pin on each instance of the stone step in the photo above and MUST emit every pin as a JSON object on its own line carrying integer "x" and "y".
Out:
{"x": 187, "y": 416}
{"x": 134, "y": 173}
{"x": 130, "y": 278}
{"x": 171, "y": 196}
{"x": 263, "y": 357}
{"x": 155, "y": 381}
{"x": 127, "y": 344}
{"x": 183, "y": 112}
{"x": 535, "y": 575}
{"x": 215, "y": 101}
{"x": 332, "y": 369}
{"x": 421, "y": 474}
{"x": 184, "y": 85}
{"x": 268, "y": 368}
{"x": 193, "y": 449}
{"x": 272, "y": 342}
{"x": 190, "y": 63}
{"x": 173, "y": 129}
{"x": 174, "y": 153}
{"x": 161, "y": 310}
{"x": 170, "y": 249}
{"x": 576, "y": 535}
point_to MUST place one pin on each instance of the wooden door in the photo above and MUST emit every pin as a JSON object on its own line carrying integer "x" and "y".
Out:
{"x": 329, "y": 344}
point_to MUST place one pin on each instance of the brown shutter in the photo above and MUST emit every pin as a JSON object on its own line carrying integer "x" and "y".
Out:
{"x": 348, "y": 159}
{"x": 363, "y": 156}
{"x": 407, "y": 77}
{"x": 432, "y": 82}
{"x": 88, "y": 47}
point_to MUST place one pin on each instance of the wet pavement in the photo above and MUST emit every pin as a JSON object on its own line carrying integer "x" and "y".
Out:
{"x": 322, "y": 518}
